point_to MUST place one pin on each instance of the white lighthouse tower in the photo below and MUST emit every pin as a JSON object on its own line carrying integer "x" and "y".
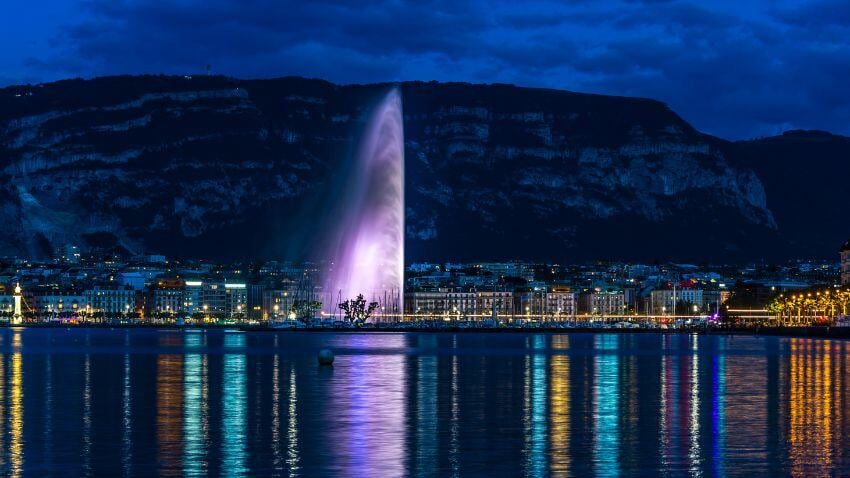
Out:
{"x": 17, "y": 318}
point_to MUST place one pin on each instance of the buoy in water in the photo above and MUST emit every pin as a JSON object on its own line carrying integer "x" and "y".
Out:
{"x": 326, "y": 357}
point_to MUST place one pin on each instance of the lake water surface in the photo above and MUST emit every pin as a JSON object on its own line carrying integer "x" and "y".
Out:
{"x": 143, "y": 402}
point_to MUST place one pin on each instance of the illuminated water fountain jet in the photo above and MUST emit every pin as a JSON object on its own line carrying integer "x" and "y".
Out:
{"x": 369, "y": 245}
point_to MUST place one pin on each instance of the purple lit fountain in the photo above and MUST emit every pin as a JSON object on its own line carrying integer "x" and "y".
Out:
{"x": 368, "y": 250}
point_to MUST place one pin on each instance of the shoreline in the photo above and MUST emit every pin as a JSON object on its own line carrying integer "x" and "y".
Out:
{"x": 824, "y": 332}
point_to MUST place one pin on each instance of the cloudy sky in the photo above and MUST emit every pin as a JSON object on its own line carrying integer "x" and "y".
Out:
{"x": 736, "y": 69}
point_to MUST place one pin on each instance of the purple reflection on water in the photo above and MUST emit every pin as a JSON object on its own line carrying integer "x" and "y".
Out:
{"x": 368, "y": 409}
{"x": 369, "y": 249}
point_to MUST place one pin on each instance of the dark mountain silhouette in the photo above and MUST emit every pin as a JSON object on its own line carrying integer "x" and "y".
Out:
{"x": 223, "y": 168}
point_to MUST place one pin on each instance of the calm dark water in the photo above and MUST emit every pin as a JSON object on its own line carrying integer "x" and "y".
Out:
{"x": 143, "y": 402}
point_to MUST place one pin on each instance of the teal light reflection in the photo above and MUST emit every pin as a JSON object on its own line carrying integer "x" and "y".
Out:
{"x": 538, "y": 437}
{"x": 233, "y": 424}
{"x": 605, "y": 390}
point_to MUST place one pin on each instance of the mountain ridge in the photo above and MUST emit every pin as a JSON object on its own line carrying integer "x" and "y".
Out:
{"x": 494, "y": 170}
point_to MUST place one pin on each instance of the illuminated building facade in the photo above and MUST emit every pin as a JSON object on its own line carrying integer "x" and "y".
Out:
{"x": 560, "y": 303}
{"x": 193, "y": 297}
{"x": 167, "y": 297}
{"x": 662, "y": 301}
{"x": 501, "y": 301}
{"x": 58, "y": 304}
{"x": 603, "y": 302}
{"x": 110, "y": 299}
{"x": 277, "y": 304}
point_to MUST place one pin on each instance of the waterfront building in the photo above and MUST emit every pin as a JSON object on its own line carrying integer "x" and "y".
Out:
{"x": 236, "y": 295}
{"x": 683, "y": 301}
{"x": 110, "y": 299}
{"x": 712, "y": 299}
{"x": 603, "y": 302}
{"x": 441, "y": 301}
{"x": 844, "y": 255}
{"x": 458, "y": 302}
{"x": 193, "y": 297}
{"x": 461, "y": 303}
{"x": 255, "y": 301}
{"x": 525, "y": 302}
{"x": 543, "y": 303}
{"x": 167, "y": 297}
{"x": 425, "y": 302}
{"x": 500, "y": 300}
{"x": 560, "y": 303}
{"x": 214, "y": 299}
{"x": 277, "y": 304}
{"x": 7, "y": 304}
{"x": 63, "y": 305}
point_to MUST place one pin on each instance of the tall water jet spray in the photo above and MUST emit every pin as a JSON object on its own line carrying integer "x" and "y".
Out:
{"x": 368, "y": 248}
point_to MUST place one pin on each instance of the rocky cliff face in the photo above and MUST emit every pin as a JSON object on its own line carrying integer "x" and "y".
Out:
{"x": 224, "y": 168}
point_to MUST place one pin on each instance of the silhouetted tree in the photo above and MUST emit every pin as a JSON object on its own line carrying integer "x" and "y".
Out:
{"x": 357, "y": 311}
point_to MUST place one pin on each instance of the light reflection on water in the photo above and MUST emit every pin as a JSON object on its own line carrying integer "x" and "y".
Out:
{"x": 141, "y": 403}
{"x": 559, "y": 408}
{"x": 195, "y": 408}
{"x": 234, "y": 401}
{"x": 606, "y": 395}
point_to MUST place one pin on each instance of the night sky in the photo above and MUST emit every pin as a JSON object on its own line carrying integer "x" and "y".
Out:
{"x": 737, "y": 69}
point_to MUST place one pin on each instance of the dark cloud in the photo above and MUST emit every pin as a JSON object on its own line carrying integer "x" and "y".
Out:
{"x": 736, "y": 69}
{"x": 817, "y": 14}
